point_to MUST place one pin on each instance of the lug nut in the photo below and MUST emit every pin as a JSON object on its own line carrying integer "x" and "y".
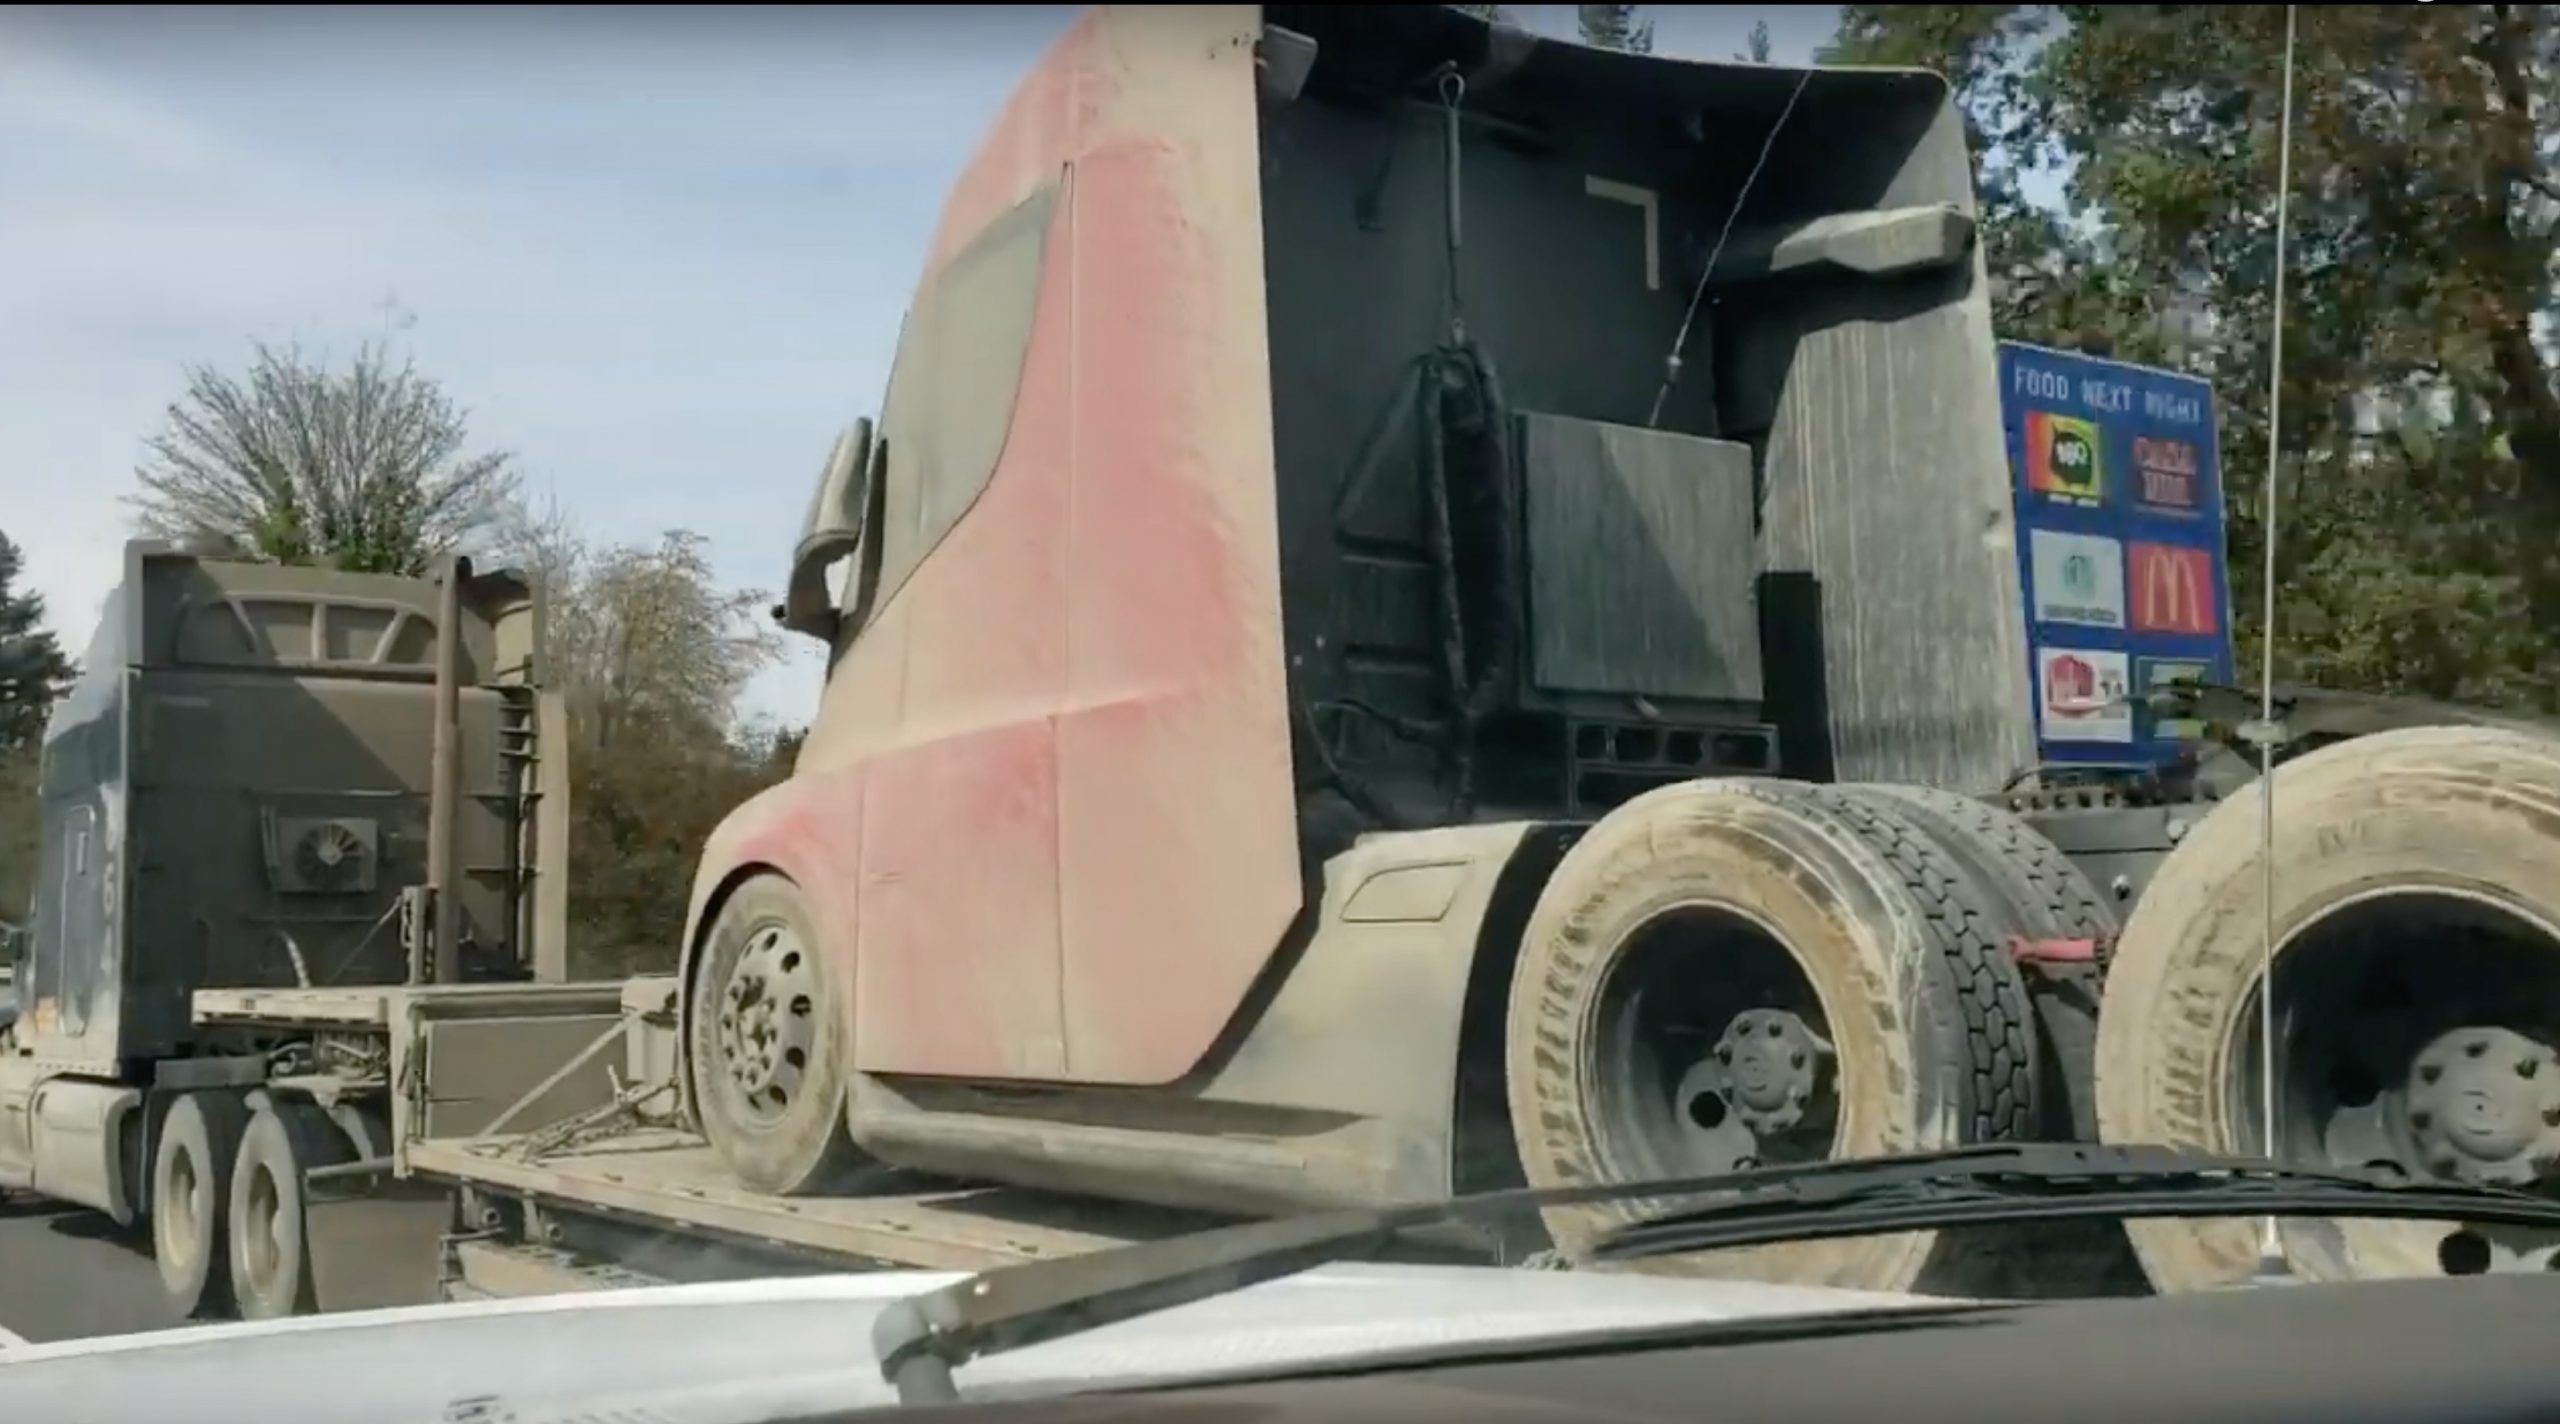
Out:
{"x": 1775, "y": 1030}
{"x": 2429, "y": 1072}
{"x": 2527, "y": 1067}
{"x": 2421, "y": 1120}
{"x": 1796, "y": 1059}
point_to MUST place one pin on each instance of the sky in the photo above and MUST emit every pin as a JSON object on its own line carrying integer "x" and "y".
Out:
{"x": 660, "y": 254}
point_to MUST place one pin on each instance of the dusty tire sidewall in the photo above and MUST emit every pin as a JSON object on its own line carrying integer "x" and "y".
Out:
{"x": 204, "y": 1129}
{"x": 1772, "y": 857}
{"x": 268, "y": 1152}
{"x": 793, "y": 1153}
{"x": 2460, "y": 811}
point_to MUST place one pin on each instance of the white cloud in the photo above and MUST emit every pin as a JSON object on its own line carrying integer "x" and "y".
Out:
{"x": 46, "y": 101}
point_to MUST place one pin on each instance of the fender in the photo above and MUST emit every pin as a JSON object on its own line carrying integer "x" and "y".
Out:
{"x": 776, "y": 830}
{"x": 1363, "y": 1069}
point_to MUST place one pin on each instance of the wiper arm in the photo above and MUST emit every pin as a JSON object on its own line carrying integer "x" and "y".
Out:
{"x": 920, "y": 1340}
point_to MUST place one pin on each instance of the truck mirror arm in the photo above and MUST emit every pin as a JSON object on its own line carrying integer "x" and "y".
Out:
{"x": 806, "y": 605}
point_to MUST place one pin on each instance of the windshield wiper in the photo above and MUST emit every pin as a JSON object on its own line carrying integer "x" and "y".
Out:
{"x": 2002, "y": 1185}
{"x": 920, "y": 1340}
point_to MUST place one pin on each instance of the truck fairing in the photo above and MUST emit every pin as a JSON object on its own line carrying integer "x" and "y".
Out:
{"x": 1054, "y": 763}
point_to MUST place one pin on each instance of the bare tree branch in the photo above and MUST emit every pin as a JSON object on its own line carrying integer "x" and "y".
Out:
{"x": 361, "y": 469}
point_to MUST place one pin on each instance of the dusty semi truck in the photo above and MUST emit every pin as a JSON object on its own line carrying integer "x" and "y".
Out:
{"x": 273, "y": 776}
{"x": 1426, "y": 609}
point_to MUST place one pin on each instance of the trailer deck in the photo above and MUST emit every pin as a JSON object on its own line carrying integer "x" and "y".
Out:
{"x": 548, "y": 1110}
{"x": 664, "y": 1178}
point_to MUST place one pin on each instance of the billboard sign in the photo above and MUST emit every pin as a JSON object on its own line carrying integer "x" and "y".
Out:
{"x": 2117, "y": 476}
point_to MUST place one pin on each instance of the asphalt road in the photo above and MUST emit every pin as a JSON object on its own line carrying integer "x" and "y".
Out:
{"x": 67, "y": 1273}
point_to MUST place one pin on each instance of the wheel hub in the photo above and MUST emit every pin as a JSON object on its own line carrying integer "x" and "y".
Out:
{"x": 2484, "y": 1106}
{"x": 1770, "y": 1062}
{"x": 766, "y": 1019}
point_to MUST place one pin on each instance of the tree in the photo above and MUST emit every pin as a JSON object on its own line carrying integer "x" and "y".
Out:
{"x": 1615, "y": 27}
{"x": 2422, "y": 418}
{"x": 644, "y": 633}
{"x": 33, "y": 672}
{"x": 21, "y": 833}
{"x": 1757, "y": 48}
{"x": 362, "y": 469}
{"x": 653, "y": 656}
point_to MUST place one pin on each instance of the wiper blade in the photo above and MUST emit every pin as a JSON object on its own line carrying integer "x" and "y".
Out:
{"x": 2050, "y": 1182}
{"x": 920, "y": 1340}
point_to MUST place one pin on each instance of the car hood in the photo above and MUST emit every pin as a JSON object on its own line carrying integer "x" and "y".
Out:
{"x": 754, "y": 1350}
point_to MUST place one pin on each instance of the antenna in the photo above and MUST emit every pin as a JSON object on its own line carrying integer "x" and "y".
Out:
{"x": 2270, "y": 1244}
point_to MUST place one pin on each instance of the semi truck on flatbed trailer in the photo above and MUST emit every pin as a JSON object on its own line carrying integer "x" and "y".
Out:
{"x": 1426, "y": 609}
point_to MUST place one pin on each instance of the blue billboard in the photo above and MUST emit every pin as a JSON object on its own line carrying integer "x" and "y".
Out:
{"x": 2117, "y": 473}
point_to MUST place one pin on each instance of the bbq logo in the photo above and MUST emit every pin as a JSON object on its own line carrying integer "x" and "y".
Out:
{"x": 2167, "y": 474}
{"x": 2062, "y": 458}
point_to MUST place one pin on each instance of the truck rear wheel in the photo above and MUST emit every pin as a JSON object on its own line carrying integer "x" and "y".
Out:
{"x": 2049, "y": 893}
{"x": 269, "y": 1232}
{"x": 2047, "y": 898}
{"x": 766, "y": 1045}
{"x": 191, "y": 1200}
{"x": 1724, "y": 974}
{"x": 2417, "y": 994}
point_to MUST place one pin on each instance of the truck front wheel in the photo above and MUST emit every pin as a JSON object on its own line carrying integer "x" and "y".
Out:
{"x": 191, "y": 1199}
{"x": 766, "y": 1044}
{"x": 1728, "y": 974}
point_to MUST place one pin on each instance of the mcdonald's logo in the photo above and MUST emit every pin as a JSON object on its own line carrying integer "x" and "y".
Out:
{"x": 2172, "y": 589}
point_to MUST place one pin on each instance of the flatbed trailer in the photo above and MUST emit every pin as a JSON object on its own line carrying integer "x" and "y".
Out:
{"x": 528, "y": 1143}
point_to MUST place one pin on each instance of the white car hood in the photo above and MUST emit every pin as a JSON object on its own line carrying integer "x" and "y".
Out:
{"x": 746, "y": 1351}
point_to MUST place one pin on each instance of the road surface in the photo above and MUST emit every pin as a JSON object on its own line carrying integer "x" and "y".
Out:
{"x": 66, "y": 1273}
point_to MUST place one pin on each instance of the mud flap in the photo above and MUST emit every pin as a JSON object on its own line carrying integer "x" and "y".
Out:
{"x": 375, "y": 1242}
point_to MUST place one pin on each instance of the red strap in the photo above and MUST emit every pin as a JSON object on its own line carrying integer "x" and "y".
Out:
{"x": 2052, "y": 951}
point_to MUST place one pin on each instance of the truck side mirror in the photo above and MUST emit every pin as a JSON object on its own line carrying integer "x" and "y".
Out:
{"x": 832, "y": 532}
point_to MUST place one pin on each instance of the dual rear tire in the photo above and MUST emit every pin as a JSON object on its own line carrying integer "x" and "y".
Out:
{"x": 229, "y": 1205}
{"x": 1733, "y": 973}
